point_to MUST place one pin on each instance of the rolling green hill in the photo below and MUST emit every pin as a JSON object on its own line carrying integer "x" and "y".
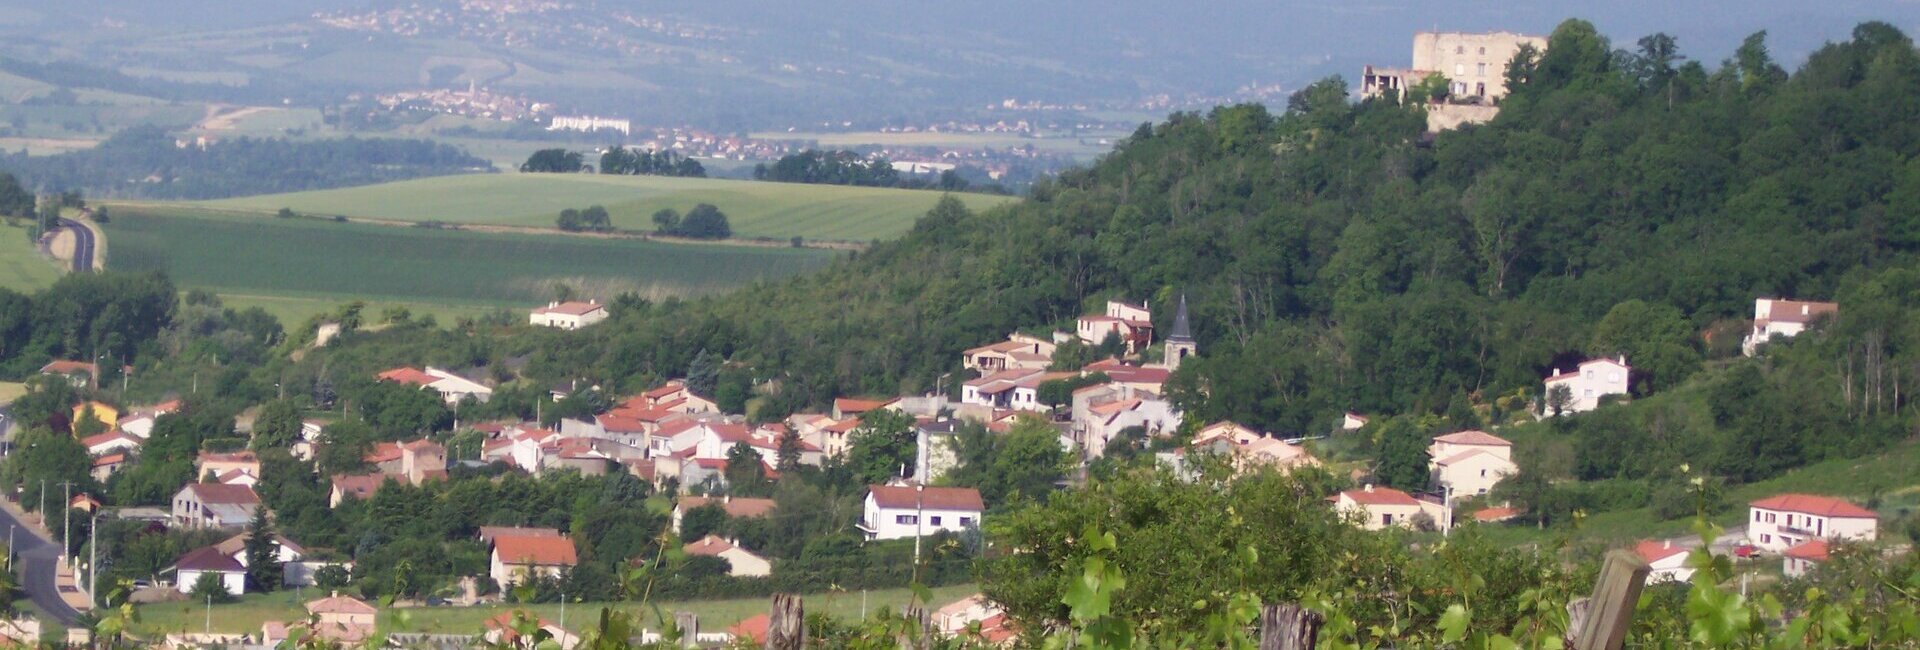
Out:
{"x": 777, "y": 210}
{"x": 297, "y": 267}
{"x": 21, "y": 267}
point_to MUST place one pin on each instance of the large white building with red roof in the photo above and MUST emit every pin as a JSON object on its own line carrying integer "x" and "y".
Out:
{"x": 452, "y": 387}
{"x": 1586, "y": 384}
{"x": 1133, "y": 324}
{"x": 571, "y": 315}
{"x": 1469, "y": 463}
{"x": 905, "y": 511}
{"x": 1783, "y": 521}
{"x": 1783, "y": 318}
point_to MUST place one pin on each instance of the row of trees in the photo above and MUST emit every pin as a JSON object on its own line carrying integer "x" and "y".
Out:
{"x": 829, "y": 168}
{"x": 635, "y": 161}
{"x": 145, "y": 162}
{"x": 592, "y": 219}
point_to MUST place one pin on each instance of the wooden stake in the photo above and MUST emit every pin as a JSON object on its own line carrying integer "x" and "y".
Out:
{"x": 786, "y": 624}
{"x": 1609, "y": 613}
{"x": 1288, "y": 626}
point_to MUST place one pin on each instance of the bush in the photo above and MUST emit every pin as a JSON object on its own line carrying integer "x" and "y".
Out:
{"x": 210, "y": 586}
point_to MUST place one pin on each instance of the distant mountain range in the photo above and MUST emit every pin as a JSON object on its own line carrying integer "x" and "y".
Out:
{"x": 759, "y": 63}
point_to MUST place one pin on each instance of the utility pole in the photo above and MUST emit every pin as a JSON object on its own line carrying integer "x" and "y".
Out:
{"x": 43, "y": 503}
{"x": 93, "y": 560}
{"x": 66, "y": 523}
{"x": 919, "y": 514}
{"x": 209, "y": 628}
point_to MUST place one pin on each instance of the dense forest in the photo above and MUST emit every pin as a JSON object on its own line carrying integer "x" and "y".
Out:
{"x": 147, "y": 162}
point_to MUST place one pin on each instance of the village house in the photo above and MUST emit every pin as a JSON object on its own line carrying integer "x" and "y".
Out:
{"x": 847, "y": 407}
{"x": 204, "y": 560}
{"x": 213, "y": 505}
{"x": 742, "y": 562}
{"x": 359, "y": 487}
{"x": 1101, "y": 412}
{"x": 1351, "y": 421}
{"x": 1243, "y": 447}
{"x": 516, "y": 557}
{"x": 336, "y": 618}
{"x": 501, "y": 633}
{"x": 105, "y": 466}
{"x": 78, "y": 373}
{"x": 954, "y": 619}
{"x": 452, "y": 388}
{"x": 1132, "y": 324}
{"x": 110, "y": 442}
{"x": 102, "y": 411}
{"x": 139, "y": 422}
{"x": 1581, "y": 389}
{"x": 1018, "y": 352}
{"x": 571, "y": 315}
{"x": 1783, "y": 318}
{"x": 1666, "y": 561}
{"x": 230, "y": 468}
{"x": 1804, "y": 557}
{"x": 1379, "y": 507}
{"x": 904, "y": 511}
{"x": 674, "y": 396}
{"x": 1780, "y": 522}
{"x": 735, "y": 507}
{"x": 1469, "y": 463}
{"x": 934, "y": 449}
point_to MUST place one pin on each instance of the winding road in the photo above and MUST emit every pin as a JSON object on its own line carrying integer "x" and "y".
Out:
{"x": 38, "y": 558}
{"x": 82, "y": 244}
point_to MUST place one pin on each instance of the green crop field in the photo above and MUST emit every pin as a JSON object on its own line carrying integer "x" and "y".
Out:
{"x": 254, "y": 609}
{"x": 298, "y": 267}
{"x": 755, "y": 209}
{"x": 1083, "y": 146}
{"x": 21, "y": 266}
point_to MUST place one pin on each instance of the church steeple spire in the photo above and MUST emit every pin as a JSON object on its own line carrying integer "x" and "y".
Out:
{"x": 1180, "y": 343}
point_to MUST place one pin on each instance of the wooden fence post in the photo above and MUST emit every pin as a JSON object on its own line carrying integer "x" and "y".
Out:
{"x": 1288, "y": 626}
{"x": 689, "y": 624}
{"x": 1601, "y": 622}
{"x": 922, "y": 618}
{"x": 786, "y": 624}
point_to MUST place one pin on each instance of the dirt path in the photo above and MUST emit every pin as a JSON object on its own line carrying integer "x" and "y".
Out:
{"x": 219, "y": 118}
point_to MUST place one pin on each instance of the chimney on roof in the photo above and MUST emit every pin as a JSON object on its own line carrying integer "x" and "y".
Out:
{"x": 553, "y": 303}
{"x": 1667, "y": 543}
{"x": 726, "y": 498}
{"x": 1803, "y": 309}
{"x": 1623, "y": 359}
{"x": 1369, "y": 487}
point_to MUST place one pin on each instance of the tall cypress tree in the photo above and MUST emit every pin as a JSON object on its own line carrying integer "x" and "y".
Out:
{"x": 263, "y": 558}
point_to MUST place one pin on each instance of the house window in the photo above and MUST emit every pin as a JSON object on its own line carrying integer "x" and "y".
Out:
{"x": 1756, "y": 515}
{"x": 1386, "y": 520}
{"x": 1588, "y": 392}
{"x": 1770, "y": 517}
{"x": 906, "y": 519}
{"x": 1459, "y": 69}
{"x": 1613, "y": 378}
{"x": 1481, "y": 69}
{"x": 1483, "y": 51}
{"x": 966, "y": 521}
{"x": 1766, "y": 539}
{"x": 1483, "y": 473}
{"x": 1459, "y": 49}
{"x": 1589, "y": 374}
{"x": 936, "y": 520}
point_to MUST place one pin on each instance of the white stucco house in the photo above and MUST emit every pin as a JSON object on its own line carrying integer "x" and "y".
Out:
{"x": 1469, "y": 463}
{"x": 1666, "y": 561}
{"x": 904, "y": 511}
{"x": 1585, "y": 385}
{"x": 742, "y": 562}
{"x": 571, "y": 315}
{"x": 1783, "y": 318}
{"x": 1783, "y": 521}
{"x": 1379, "y": 507}
{"x": 209, "y": 560}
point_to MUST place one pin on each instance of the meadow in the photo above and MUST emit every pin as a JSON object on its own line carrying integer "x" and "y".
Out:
{"x": 254, "y": 609}
{"x": 298, "y": 267}
{"x": 1085, "y": 145}
{"x": 22, "y": 268}
{"x": 755, "y": 209}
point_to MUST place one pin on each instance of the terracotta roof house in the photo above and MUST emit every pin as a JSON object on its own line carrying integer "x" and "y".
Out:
{"x": 738, "y": 507}
{"x": 1783, "y": 521}
{"x": 488, "y": 533}
{"x": 214, "y": 505}
{"x": 1773, "y": 317}
{"x": 1379, "y": 507}
{"x": 753, "y": 630}
{"x": 897, "y": 511}
{"x": 357, "y": 486}
{"x": 571, "y": 315}
{"x": 1667, "y": 561}
{"x": 1804, "y": 557}
{"x": 743, "y": 563}
{"x": 209, "y": 560}
{"x": 517, "y": 557}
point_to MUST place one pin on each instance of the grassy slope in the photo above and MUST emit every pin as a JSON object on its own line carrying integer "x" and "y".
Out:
{"x": 1895, "y": 473}
{"x": 778, "y": 210}
{"x": 300, "y": 267}
{"x": 21, "y": 266}
{"x": 251, "y": 611}
{"x": 10, "y": 391}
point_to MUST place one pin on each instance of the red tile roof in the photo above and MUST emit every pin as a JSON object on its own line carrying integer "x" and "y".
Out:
{"x": 220, "y": 493}
{"x": 208, "y": 558}
{"x": 383, "y": 452}
{"x": 110, "y": 459}
{"x": 932, "y": 498}
{"x": 538, "y": 550}
{"x": 1489, "y": 515}
{"x": 753, "y": 630}
{"x": 1473, "y": 437}
{"x": 488, "y": 533}
{"x": 338, "y": 604}
{"x": 1380, "y": 496}
{"x": 709, "y": 545}
{"x": 663, "y": 391}
{"x": 1814, "y": 505}
{"x": 1791, "y": 311}
{"x": 228, "y": 457}
{"x": 406, "y": 375}
{"x": 612, "y": 423}
{"x": 64, "y": 367}
{"x": 358, "y": 486}
{"x": 849, "y": 406}
{"x": 1655, "y": 551}
{"x": 1815, "y": 550}
{"x": 735, "y": 506}
{"x": 104, "y": 438}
